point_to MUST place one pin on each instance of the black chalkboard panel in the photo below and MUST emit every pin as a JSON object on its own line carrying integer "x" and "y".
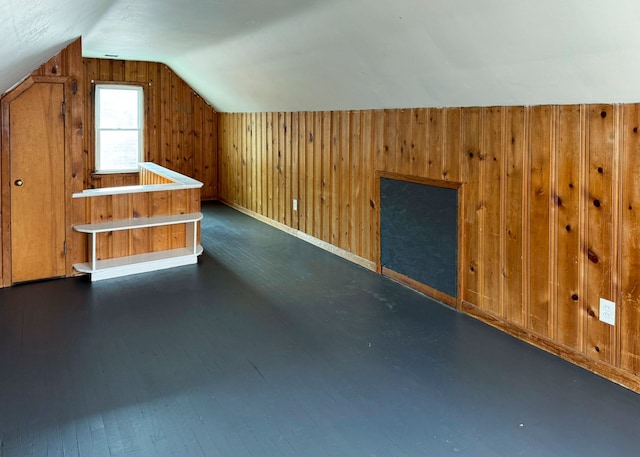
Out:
{"x": 419, "y": 232}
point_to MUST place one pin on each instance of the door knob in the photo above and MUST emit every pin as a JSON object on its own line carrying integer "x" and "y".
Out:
{"x": 19, "y": 182}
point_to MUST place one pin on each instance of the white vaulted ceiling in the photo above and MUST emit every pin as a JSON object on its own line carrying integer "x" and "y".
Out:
{"x": 303, "y": 55}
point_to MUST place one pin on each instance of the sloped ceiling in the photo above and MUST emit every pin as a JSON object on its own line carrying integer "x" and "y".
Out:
{"x": 302, "y": 55}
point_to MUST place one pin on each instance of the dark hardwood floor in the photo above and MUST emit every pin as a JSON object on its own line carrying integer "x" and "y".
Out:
{"x": 272, "y": 347}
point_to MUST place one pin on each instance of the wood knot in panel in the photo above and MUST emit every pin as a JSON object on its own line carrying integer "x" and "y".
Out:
{"x": 558, "y": 200}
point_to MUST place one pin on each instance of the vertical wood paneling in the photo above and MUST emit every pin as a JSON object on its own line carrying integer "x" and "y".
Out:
{"x": 243, "y": 169}
{"x": 285, "y": 169}
{"x": 378, "y": 156}
{"x": 357, "y": 179}
{"x": 254, "y": 155}
{"x": 197, "y": 136}
{"x": 318, "y": 173}
{"x": 160, "y": 236}
{"x": 531, "y": 177}
{"x": 540, "y": 220}
{"x": 294, "y": 169}
{"x": 180, "y": 129}
{"x": 179, "y": 204}
{"x": 327, "y": 176}
{"x": 419, "y": 151}
{"x": 336, "y": 176}
{"x": 268, "y": 169}
{"x": 568, "y": 200}
{"x": 279, "y": 166}
{"x": 367, "y": 174}
{"x": 452, "y": 145}
{"x": 188, "y": 129}
{"x": 404, "y": 141}
{"x": 79, "y": 160}
{"x": 211, "y": 171}
{"x": 390, "y": 152}
{"x": 491, "y": 185}
{"x": 303, "y": 171}
{"x": 435, "y": 144}
{"x": 153, "y": 100}
{"x": 343, "y": 196}
{"x": 474, "y": 207}
{"x": 119, "y": 240}
{"x": 68, "y": 65}
{"x": 260, "y": 133}
{"x": 515, "y": 156}
{"x": 255, "y": 190}
{"x": 306, "y": 173}
{"x": 629, "y": 309}
{"x": 599, "y": 211}
{"x": 75, "y": 158}
{"x": 140, "y": 207}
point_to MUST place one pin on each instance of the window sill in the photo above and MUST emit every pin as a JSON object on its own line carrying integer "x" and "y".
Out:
{"x": 98, "y": 174}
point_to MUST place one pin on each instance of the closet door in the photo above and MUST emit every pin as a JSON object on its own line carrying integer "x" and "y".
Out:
{"x": 36, "y": 156}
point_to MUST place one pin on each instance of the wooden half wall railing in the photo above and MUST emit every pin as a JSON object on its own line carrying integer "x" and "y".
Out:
{"x": 149, "y": 175}
{"x": 162, "y": 192}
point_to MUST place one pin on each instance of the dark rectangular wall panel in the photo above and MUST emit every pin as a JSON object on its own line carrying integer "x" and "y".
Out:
{"x": 418, "y": 232}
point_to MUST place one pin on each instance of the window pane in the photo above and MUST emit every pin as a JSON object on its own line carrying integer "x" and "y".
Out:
{"x": 118, "y": 150}
{"x": 118, "y": 109}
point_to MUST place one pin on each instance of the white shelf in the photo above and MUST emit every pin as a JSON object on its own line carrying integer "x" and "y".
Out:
{"x": 136, "y": 223}
{"x": 140, "y": 263}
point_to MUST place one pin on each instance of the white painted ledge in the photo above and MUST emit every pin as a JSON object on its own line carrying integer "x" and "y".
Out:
{"x": 179, "y": 182}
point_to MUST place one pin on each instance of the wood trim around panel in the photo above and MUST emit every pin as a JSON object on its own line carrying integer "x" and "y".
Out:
{"x": 410, "y": 282}
{"x": 420, "y": 287}
{"x": 418, "y": 180}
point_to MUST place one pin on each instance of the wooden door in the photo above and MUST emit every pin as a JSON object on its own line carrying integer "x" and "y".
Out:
{"x": 37, "y": 145}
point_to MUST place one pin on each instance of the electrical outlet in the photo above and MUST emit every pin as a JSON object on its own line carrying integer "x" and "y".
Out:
{"x": 607, "y": 311}
{"x": 295, "y": 204}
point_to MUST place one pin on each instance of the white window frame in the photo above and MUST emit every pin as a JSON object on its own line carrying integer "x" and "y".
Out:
{"x": 133, "y": 87}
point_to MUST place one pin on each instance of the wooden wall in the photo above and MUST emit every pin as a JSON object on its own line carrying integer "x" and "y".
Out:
{"x": 67, "y": 65}
{"x": 180, "y": 131}
{"x": 145, "y": 204}
{"x": 180, "y": 134}
{"x": 551, "y": 212}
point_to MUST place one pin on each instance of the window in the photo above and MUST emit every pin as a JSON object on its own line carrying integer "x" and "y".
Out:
{"x": 119, "y": 121}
